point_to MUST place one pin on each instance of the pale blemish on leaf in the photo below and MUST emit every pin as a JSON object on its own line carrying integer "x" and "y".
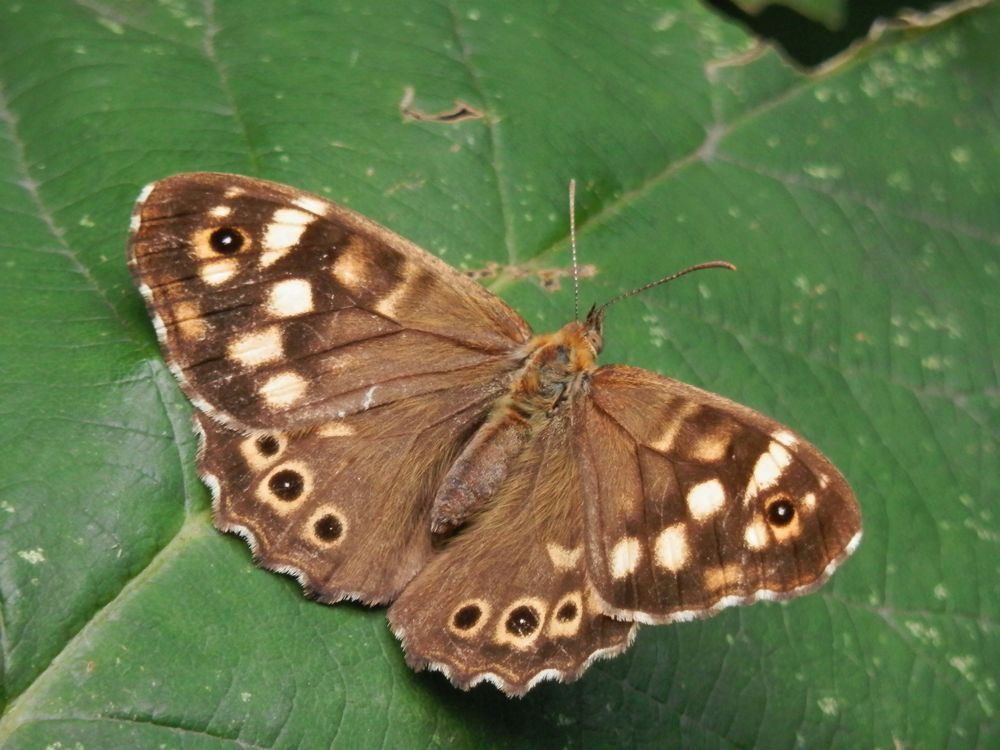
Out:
{"x": 657, "y": 333}
{"x": 33, "y": 556}
{"x": 829, "y": 705}
{"x": 935, "y": 362}
{"x": 900, "y": 180}
{"x": 961, "y": 155}
{"x": 824, "y": 171}
{"x": 924, "y": 633}
{"x": 113, "y": 26}
{"x": 664, "y": 22}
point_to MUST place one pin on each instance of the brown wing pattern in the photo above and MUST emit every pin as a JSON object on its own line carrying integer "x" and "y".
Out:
{"x": 694, "y": 503}
{"x": 509, "y": 600}
{"x": 343, "y": 505}
{"x": 277, "y": 308}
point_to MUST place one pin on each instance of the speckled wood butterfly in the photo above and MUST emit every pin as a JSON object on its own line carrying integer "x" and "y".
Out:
{"x": 383, "y": 428}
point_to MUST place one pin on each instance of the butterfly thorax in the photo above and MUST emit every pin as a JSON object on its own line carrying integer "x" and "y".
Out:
{"x": 555, "y": 368}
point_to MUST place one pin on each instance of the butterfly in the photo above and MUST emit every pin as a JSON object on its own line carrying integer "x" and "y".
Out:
{"x": 382, "y": 427}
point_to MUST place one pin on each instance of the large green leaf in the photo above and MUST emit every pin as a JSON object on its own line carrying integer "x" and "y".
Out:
{"x": 860, "y": 206}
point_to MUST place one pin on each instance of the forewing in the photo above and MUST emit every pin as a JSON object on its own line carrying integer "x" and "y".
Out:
{"x": 277, "y": 308}
{"x": 344, "y": 505}
{"x": 694, "y": 503}
{"x": 509, "y": 600}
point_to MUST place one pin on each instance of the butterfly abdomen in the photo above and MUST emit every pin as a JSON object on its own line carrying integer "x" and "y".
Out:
{"x": 556, "y": 366}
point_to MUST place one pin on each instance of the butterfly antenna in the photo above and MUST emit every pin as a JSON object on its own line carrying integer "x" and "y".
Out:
{"x": 699, "y": 267}
{"x": 572, "y": 244}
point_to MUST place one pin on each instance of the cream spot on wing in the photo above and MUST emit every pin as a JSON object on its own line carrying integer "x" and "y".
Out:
{"x": 134, "y": 222}
{"x": 724, "y": 577}
{"x": 283, "y": 389}
{"x": 469, "y": 617}
{"x": 710, "y": 448}
{"x": 786, "y": 438}
{"x": 220, "y": 211}
{"x": 219, "y": 271}
{"x": 336, "y": 429}
{"x": 257, "y": 348}
{"x": 350, "y": 268}
{"x": 387, "y": 305}
{"x": 290, "y": 297}
{"x": 768, "y": 469}
{"x": 755, "y": 536}
{"x": 284, "y": 230}
{"x": 665, "y": 440}
{"x": 326, "y": 527}
{"x": 706, "y": 499}
{"x": 593, "y": 602}
{"x": 567, "y": 615}
{"x": 625, "y": 556}
{"x": 313, "y": 205}
{"x": 563, "y": 558}
{"x": 234, "y": 192}
{"x": 809, "y": 501}
{"x": 521, "y": 623}
{"x": 671, "y": 548}
{"x": 188, "y": 321}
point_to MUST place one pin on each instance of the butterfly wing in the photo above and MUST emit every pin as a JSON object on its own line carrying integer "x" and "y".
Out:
{"x": 344, "y": 505}
{"x": 342, "y": 367}
{"x": 277, "y": 308}
{"x": 509, "y": 600}
{"x": 694, "y": 503}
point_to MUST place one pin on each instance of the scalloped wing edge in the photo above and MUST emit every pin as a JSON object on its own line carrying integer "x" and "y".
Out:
{"x": 274, "y": 565}
{"x": 512, "y": 690}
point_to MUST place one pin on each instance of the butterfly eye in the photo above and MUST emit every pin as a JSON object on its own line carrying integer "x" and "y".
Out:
{"x": 286, "y": 485}
{"x": 780, "y": 512}
{"x": 522, "y": 621}
{"x": 226, "y": 240}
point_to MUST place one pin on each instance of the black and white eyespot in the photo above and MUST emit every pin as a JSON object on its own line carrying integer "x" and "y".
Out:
{"x": 227, "y": 240}
{"x": 567, "y": 615}
{"x": 779, "y": 511}
{"x": 469, "y": 617}
{"x": 285, "y": 486}
{"x": 521, "y": 623}
{"x": 327, "y": 526}
{"x": 263, "y": 450}
{"x": 268, "y": 445}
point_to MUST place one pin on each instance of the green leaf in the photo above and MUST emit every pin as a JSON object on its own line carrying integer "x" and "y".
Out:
{"x": 860, "y": 206}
